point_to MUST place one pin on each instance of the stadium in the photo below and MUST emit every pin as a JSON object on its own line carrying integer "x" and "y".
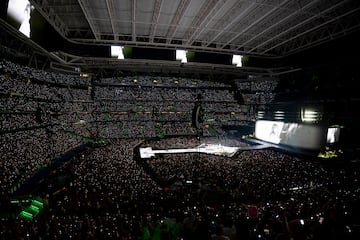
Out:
{"x": 180, "y": 119}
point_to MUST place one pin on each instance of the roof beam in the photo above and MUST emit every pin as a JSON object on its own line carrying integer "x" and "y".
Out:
{"x": 212, "y": 8}
{"x": 242, "y": 14}
{"x": 278, "y": 23}
{"x": 136, "y": 64}
{"x": 324, "y": 39}
{"x": 198, "y": 33}
{"x": 49, "y": 14}
{"x": 133, "y": 20}
{"x": 275, "y": 8}
{"x": 155, "y": 18}
{"x": 321, "y": 36}
{"x": 110, "y": 6}
{"x": 88, "y": 19}
{"x": 311, "y": 29}
{"x": 177, "y": 18}
{"x": 14, "y": 42}
{"x": 297, "y": 25}
{"x": 160, "y": 45}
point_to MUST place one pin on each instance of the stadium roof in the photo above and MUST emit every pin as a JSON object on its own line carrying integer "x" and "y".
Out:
{"x": 253, "y": 27}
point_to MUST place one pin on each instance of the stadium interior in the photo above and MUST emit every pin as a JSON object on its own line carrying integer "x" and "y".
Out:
{"x": 180, "y": 119}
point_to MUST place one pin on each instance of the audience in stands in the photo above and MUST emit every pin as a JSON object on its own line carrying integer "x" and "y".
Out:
{"x": 109, "y": 192}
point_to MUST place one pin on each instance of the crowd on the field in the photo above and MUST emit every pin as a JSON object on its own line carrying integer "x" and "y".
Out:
{"x": 113, "y": 196}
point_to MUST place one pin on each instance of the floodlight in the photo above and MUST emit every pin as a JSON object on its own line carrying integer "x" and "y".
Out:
{"x": 237, "y": 60}
{"x": 309, "y": 115}
{"x": 20, "y": 11}
{"x": 117, "y": 51}
{"x": 181, "y": 55}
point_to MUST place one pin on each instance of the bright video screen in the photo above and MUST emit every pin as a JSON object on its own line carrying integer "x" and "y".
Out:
{"x": 333, "y": 135}
{"x": 293, "y": 134}
{"x": 18, "y": 14}
{"x": 268, "y": 131}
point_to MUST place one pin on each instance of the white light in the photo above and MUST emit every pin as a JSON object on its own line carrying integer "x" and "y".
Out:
{"x": 310, "y": 112}
{"x": 333, "y": 135}
{"x": 309, "y": 119}
{"x": 308, "y": 115}
{"x": 181, "y": 55}
{"x": 117, "y": 51}
{"x": 237, "y": 59}
{"x": 20, "y": 11}
{"x": 203, "y": 148}
{"x": 302, "y": 222}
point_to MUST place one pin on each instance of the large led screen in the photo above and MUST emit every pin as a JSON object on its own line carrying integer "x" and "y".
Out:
{"x": 299, "y": 135}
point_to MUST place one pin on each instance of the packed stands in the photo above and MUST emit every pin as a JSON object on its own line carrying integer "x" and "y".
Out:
{"x": 108, "y": 192}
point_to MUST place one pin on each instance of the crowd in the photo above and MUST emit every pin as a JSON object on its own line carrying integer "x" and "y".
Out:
{"x": 24, "y": 153}
{"x": 167, "y": 81}
{"x": 28, "y": 74}
{"x": 111, "y": 193}
{"x": 42, "y": 97}
{"x": 257, "y": 91}
{"x": 257, "y": 85}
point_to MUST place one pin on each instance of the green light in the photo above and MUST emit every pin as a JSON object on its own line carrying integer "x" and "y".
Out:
{"x": 26, "y": 215}
{"x": 34, "y": 209}
{"x": 30, "y": 212}
{"x": 37, "y": 203}
{"x": 327, "y": 154}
